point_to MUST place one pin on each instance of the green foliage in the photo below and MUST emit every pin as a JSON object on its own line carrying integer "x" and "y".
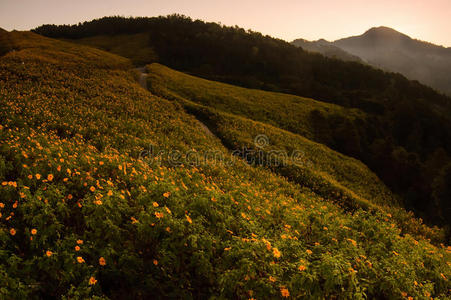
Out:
{"x": 84, "y": 215}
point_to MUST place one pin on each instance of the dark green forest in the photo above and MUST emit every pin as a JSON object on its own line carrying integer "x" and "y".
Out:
{"x": 405, "y": 136}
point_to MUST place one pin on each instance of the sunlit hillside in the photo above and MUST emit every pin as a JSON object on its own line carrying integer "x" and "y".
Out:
{"x": 223, "y": 107}
{"x": 404, "y": 136}
{"x": 99, "y": 198}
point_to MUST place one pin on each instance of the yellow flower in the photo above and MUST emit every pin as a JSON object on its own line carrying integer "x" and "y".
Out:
{"x": 188, "y": 219}
{"x": 12, "y": 231}
{"x": 227, "y": 249}
{"x": 102, "y": 261}
{"x": 92, "y": 281}
{"x": 49, "y": 253}
{"x": 38, "y": 176}
{"x": 34, "y": 231}
{"x": 80, "y": 259}
{"x": 276, "y": 252}
{"x": 285, "y": 293}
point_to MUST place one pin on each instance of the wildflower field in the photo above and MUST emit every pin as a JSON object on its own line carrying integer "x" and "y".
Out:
{"x": 84, "y": 214}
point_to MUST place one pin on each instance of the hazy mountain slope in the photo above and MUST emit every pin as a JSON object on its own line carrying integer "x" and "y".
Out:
{"x": 87, "y": 212}
{"x": 393, "y": 51}
{"x": 326, "y": 48}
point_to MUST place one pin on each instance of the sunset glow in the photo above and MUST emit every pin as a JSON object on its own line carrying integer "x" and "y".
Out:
{"x": 288, "y": 19}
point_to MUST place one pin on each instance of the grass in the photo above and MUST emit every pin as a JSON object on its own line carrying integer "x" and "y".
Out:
{"x": 85, "y": 214}
{"x": 258, "y": 112}
{"x": 289, "y": 112}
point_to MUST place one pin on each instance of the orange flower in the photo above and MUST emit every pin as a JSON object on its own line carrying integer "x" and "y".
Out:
{"x": 49, "y": 253}
{"x": 92, "y": 189}
{"x": 276, "y": 252}
{"x": 92, "y": 281}
{"x": 354, "y": 243}
{"x": 308, "y": 251}
{"x": 12, "y": 231}
{"x": 38, "y": 176}
{"x": 80, "y": 259}
{"x": 272, "y": 279}
{"x": 77, "y": 248}
{"x": 155, "y": 262}
{"x": 167, "y": 194}
{"x": 285, "y": 293}
{"x": 34, "y": 231}
{"x": 159, "y": 215}
{"x": 102, "y": 261}
{"x": 155, "y": 204}
{"x": 80, "y": 242}
{"x": 302, "y": 268}
{"x": 188, "y": 219}
{"x": 50, "y": 177}
{"x": 110, "y": 193}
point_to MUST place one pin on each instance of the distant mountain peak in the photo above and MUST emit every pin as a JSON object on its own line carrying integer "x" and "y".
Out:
{"x": 383, "y": 32}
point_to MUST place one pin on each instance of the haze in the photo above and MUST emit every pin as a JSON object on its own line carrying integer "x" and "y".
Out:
{"x": 288, "y": 20}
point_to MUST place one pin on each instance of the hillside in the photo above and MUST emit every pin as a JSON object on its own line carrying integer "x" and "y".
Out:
{"x": 89, "y": 210}
{"x": 327, "y": 49}
{"x": 230, "y": 112}
{"x": 391, "y": 50}
{"x": 406, "y": 135}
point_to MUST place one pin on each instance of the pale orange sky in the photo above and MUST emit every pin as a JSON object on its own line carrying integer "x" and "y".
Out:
{"x": 428, "y": 20}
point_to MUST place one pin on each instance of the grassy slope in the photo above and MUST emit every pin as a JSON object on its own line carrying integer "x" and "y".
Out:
{"x": 277, "y": 110}
{"x": 285, "y": 111}
{"x": 73, "y": 123}
{"x": 134, "y": 46}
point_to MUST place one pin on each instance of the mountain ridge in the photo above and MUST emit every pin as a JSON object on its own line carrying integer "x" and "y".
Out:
{"x": 394, "y": 51}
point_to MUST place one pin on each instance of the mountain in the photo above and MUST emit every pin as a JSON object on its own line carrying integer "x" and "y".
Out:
{"x": 326, "y": 48}
{"x": 402, "y": 132}
{"x": 391, "y": 50}
{"x": 109, "y": 191}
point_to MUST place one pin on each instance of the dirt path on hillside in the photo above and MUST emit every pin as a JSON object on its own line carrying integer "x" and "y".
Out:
{"x": 142, "y": 77}
{"x": 143, "y": 82}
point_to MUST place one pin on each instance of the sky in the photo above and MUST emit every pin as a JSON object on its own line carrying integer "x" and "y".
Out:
{"x": 428, "y": 20}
